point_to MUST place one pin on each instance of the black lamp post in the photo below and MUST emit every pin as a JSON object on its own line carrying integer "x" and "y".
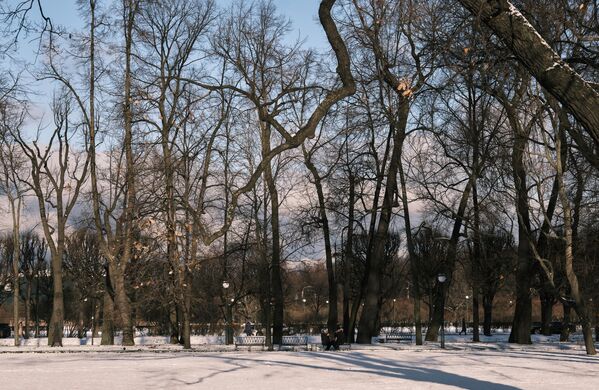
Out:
{"x": 228, "y": 317}
{"x": 441, "y": 278}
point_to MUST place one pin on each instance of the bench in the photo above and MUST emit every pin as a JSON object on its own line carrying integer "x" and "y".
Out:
{"x": 250, "y": 341}
{"x": 294, "y": 341}
{"x": 394, "y": 337}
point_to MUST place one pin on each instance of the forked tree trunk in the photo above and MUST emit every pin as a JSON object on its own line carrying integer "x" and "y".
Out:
{"x": 367, "y": 327}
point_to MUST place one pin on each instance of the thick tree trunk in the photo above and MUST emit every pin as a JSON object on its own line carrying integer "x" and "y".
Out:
{"x": 437, "y": 312}
{"x": 56, "y": 326}
{"x": 546, "y": 313}
{"x": 123, "y": 305}
{"x": 107, "y": 320}
{"x": 521, "y": 323}
{"x": 488, "y": 314}
{"x": 186, "y": 331}
{"x": 173, "y": 320}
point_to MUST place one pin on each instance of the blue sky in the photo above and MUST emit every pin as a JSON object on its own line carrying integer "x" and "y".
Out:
{"x": 303, "y": 14}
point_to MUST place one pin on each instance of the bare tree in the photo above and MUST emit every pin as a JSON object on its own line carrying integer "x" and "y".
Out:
{"x": 13, "y": 176}
{"x": 548, "y": 68}
{"x": 57, "y": 175}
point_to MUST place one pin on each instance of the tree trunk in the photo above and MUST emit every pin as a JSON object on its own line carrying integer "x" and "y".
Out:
{"x": 16, "y": 216}
{"x": 56, "y": 326}
{"x": 322, "y": 209}
{"x": 187, "y": 312}
{"x": 546, "y": 312}
{"x": 353, "y": 319}
{"x": 81, "y": 320}
{"x": 95, "y": 319}
{"x": 521, "y": 323}
{"x": 475, "y": 316}
{"x": 121, "y": 299}
{"x": 123, "y": 305}
{"x": 439, "y": 292}
{"x": 488, "y": 313}
{"x": 580, "y": 304}
{"x": 173, "y": 324}
{"x": 437, "y": 312}
{"x": 412, "y": 256}
{"x": 348, "y": 259}
{"x": 107, "y": 320}
{"x": 367, "y": 327}
{"x": 37, "y": 305}
{"x": 27, "y": 308}
{"x": 276, "y": 283}
{"x": 565, "y": 334}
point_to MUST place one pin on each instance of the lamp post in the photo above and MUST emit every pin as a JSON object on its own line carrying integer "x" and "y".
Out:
{"x": 228, "y": 315}
{"x": 441, "y": 278}
{"x": 467, "y": 310}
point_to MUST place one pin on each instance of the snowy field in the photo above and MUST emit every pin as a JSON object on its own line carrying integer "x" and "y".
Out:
{"x": 491, "y": 365}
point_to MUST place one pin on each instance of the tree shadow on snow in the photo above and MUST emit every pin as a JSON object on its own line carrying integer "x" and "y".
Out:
{"x": 361, "y": 363}
{"x": 424, "y": 372}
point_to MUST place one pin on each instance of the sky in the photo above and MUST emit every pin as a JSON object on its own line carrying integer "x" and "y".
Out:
{"x": 303, "y": 15}
{"x": 65, "y": 13}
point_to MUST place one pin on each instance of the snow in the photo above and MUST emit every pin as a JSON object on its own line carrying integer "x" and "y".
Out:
{"x": 488, "y": 365}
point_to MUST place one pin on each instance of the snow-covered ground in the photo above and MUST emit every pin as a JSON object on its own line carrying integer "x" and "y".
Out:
{"x": 463, "y": 365}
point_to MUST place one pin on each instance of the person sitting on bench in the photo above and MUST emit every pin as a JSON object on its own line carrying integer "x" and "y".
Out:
{"x": 332, "y": 340}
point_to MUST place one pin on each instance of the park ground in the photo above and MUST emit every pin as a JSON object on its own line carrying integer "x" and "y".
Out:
{"x": 463, "y": 365}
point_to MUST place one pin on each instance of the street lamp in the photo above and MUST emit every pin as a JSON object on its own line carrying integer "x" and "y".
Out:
{"x": 228, "y": 315}
{"x": 441, "y": 278}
